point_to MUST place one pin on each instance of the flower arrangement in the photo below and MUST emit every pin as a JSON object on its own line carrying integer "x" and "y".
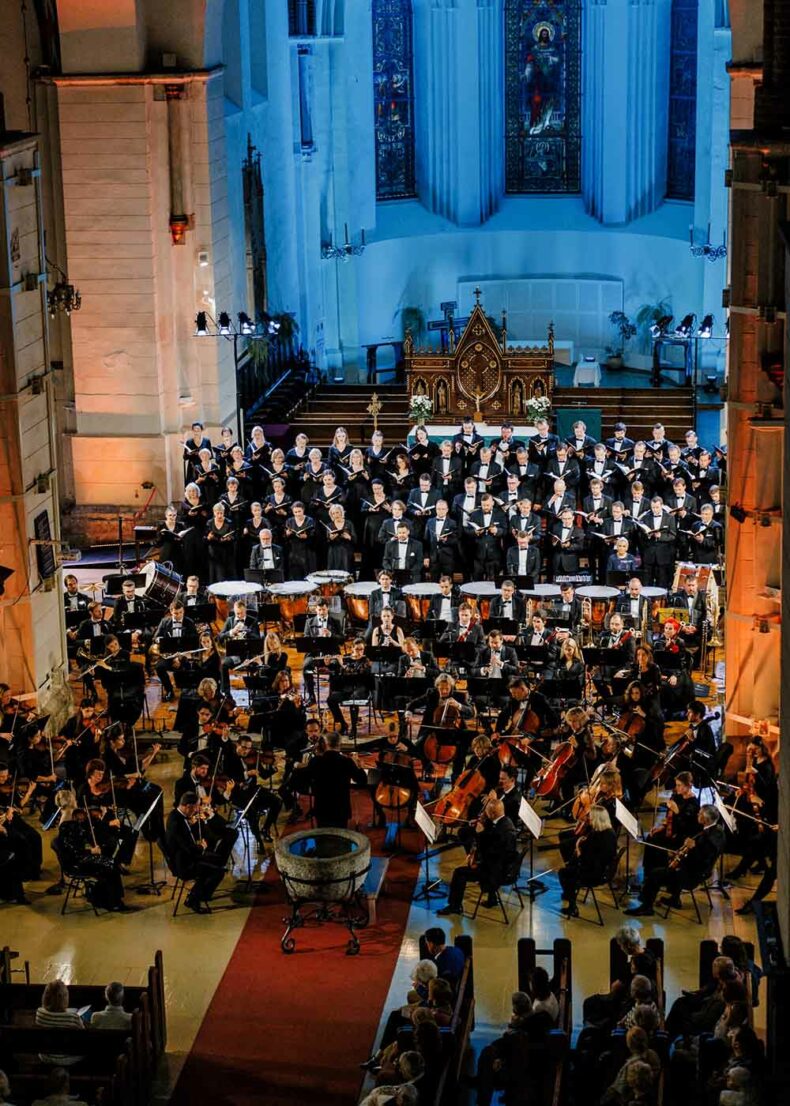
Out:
{"x": 538, "y": 407}
{"x": 420, "y": 408}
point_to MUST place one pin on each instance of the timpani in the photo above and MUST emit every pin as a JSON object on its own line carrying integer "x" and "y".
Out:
{"x": 478, "y": 595}
{"x": 418, "y": 599}
{"x": 602, "y": 600}
{"x": 357, "y": 597}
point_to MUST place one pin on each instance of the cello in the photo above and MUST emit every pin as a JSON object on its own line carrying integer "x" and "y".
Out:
{"x": 550, "y": 776}
{"x": 446, "y": 716}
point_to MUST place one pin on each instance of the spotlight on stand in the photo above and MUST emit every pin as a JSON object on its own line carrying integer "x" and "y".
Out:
{"x": 201, "y": 325}
{"x": 660, "y": 326}
{"x": 737, "y": 512}
{"x": 223, "y": 322}
{"x": 273, "y": 326}
{"x": 685, "y": 326}
{"x": 705, "y": 327}
{"x": 246, "y": 326}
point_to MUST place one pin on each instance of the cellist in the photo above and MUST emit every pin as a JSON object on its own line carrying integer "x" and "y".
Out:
{"x": 442, "y": 712}
{"x": 587, "y": 753}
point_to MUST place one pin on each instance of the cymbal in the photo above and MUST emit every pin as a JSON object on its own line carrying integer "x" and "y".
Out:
{"x": 94, "y": 585}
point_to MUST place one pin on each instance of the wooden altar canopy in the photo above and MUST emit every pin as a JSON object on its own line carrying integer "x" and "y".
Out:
{"x": 479, "y": 375}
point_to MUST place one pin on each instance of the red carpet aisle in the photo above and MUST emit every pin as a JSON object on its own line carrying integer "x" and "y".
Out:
{"x": 293, "y": 1029}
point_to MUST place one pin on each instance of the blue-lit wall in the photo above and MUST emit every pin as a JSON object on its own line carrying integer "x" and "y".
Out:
{"x": 308, "y": 104}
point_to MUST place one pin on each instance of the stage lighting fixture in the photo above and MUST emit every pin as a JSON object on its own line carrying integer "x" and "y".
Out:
{"x": 273, "y": 326}
{"x": 4, "y": 574}
{"x": 737, "y": 512}
{"x": 201, "y": 326}
{"x": 223, "y": 322}
{"x": 711, "y": 386}
{"x": 685, "y": 326}
{"x": 246, "y": 326}
{"x": 661, "y": 326}
{"x": 705, "y": 327}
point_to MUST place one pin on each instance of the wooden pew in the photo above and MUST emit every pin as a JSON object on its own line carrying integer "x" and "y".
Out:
{"x": 557, "y": 1045}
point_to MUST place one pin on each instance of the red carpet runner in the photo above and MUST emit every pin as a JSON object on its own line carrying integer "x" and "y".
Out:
{"x": 293, "y": 1029}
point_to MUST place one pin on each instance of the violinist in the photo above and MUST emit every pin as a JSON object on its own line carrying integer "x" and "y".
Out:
{"x": 115, "y": 839}
{"x": 35, "y": 762}
{"x": 199, "y": 779}
{"x": 23, "y": 839}
{"x": 343, "y": 672}
{"x": 221, "y": 710}
{"x": 132, "y": 790}
{"x": 248, "y": 768}
{"x": 592, "y": 857}
{"x": 672, "y": 656}
{"x": 491, "y": 862}
{"x": 189, "y": 854}
{"x": 79, "y": 851}
{"x": 760, "y": 798}
{"x": 699, "y": 749}
{"x": 688, "y": 867}
{"x": 83, "y": 734}
{"x": 604, "y": 789}
{"x": 680, "y": 823}
{"x": 11, "y": 864}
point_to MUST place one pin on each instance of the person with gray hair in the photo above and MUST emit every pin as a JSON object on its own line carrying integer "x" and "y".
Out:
{"x": 690, "y": 866}
{"x": 113, "y": 1016}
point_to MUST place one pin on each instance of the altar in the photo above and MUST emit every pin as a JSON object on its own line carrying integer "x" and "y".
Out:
{"x": 489, "y": 432}
{"x": 481, "y": 376}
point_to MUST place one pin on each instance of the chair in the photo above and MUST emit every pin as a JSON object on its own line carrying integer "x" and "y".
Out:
{"x": 703, "y": 886}
{"x": 511, "y": 881}
{"x": 607, "y": 881}
{"x": 179, "y": 887}
{"x": 74, "y": 883}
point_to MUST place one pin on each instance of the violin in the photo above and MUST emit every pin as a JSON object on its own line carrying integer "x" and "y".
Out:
{"x": 683, "y": 851}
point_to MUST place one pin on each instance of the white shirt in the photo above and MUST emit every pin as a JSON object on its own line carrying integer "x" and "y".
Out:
{"x": 268, "y": 560}
{"x": 617, "y": 526}
{"x": 657, "y": 520}
{"x": 176, "y": 628}
{"x": 507, "y": 609}
{"x": 385, "y": 598}
{"x": 536, "y": 639}
{"x": 74, "y": 602}
{"x": 522, "y": 561}
{"x": 402, "y": 548}
{"x": 565, "y": 533}
{"x": 635, "y": 605}
{"x": 439, "y": 526}
{"x": 469, "y": 503}
{"x": 423, "y": 498}
{"x": 445, "y": 465}
{"x": 96, "y": 629}
{"x": 487, "y": 519}
{"x": 446, "y": 608}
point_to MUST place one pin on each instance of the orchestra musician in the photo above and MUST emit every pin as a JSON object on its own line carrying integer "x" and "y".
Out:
{"x": 92, "y": 634}
{"x": 321, "y": 624}
{"x": 679, "y": 824}
{"x": 78, "y": 849}
{"x": 133, "y": 791}
{"x": 385, "y": 595}
{"x": 124, "y": 682}
{"x": 687, "y": 868}
{"x": 444, "y": 606}
{"x": 592, "y": 856}
{"x": 508, "y": 604}
{"x": 238, "y": 626}
{"x": 464, "y": 631}
{"x": 189, "y": 854}
{"x": 248, "y": 768}
{"x": 416, "y": 663}
{"x": 330, "y": 775}
{"x": 587, "y": 754}
{"x": 97, "y": 793}
{"x": 73, "y": 598}
{"x": 342, "y": 672}
{"x": 173, "y": 629}
{"x": 199, "y": 778}
{"x": 494, "y": 854}
{"x": 495, "y": 660}
{"x": 20, "y": 838}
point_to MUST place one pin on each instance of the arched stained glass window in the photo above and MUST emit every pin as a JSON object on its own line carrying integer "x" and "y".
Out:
{"x": 542, "y": 95}
{"x": 393, "y": 99}
{"x": 682, "y": 100}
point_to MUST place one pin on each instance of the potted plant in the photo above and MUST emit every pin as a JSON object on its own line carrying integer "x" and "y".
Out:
{"x": 624, "y": 330}
{"x": 538, "y": 407}
{"x": 420, "y": 408}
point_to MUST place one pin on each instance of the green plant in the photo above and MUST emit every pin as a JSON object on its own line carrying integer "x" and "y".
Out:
{"x": 624, "y": 331}
{"x": 413, "y": 320}
{"x": 289, "y": 327}
{"x": 258, "y": 350}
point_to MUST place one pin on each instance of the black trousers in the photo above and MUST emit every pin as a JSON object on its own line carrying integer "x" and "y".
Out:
{"x": 207, "y": 875}
{"x": 671, "y": 878}
{"x": 463, "y": 875}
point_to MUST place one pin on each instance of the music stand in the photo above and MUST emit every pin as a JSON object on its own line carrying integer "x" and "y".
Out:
{"x": 433, "y": 627}
{"x": 318, "y": 647}
{"x": 563, "y": 690}
{"x": 242, "y": 817}
{"x": 385, "y": 654}
{"x": 619, "y": 579}
{"x": 530, "y": 818}
{"x": 535, "y": 656}
{"x": 508, "y": 627}
{"x": 244, "y": 648}
{"x": 113, "y": 584}
{"x": 75, "y": 619}
{"x": 523, "y": 583}
{"x": 430, "y": 887}
{"x": 152, "y": 886}
{"x": 631, "y": 826}
{"x": 201, "y": 612}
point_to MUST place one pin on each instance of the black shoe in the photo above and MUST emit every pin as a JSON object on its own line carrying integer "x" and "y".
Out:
{"x": 124, "y": 908}
{"x": 195, "y": 906}
{"x": 735, "y": 873}
{"x": 22, "y": 900}
{"x": 747, "y": 908}
{"x": 570, "y": 911}
{"x": 446, "y": 911}
{"x": 491, "y": 901}
{"x": 641, "y": 911}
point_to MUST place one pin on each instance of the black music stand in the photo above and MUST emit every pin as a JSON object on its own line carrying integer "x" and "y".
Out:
{"x": 618, "y": 579}
{"x": 318, "y": 647}
{"x": 244, "y": 647}
{"x": 523, "y": 583}
{"x": 432, "y": 628}
{"x": 113, "y": 584}
{"x": 508, "y": 627}
{"x": 263, "y": 576}
{"x": 152, "y": 886}
{"x": 430, "y": 887}
{"x": 366, "y": 680}
{"x": 76, "y": 618}
{"x": 200, "y": 612}
{"x": 534, "y": 656}
{"x": 563, "y": 691}
{"x": 385, "y": 654}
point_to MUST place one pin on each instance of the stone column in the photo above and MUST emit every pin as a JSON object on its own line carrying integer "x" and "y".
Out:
{"x": 624, "y": 125}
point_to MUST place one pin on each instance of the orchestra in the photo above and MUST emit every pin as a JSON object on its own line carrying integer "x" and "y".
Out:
{"x": 546, "y": 601}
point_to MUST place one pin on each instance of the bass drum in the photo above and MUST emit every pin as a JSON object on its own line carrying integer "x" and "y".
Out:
{"x": 162, "y": 584}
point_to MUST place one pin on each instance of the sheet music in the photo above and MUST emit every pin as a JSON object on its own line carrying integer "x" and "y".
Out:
{"x": 726, "y": 815}
{"x": 529, "y": 816}
{"x": 627, "y": 820}
{"x": 425, "y": 822}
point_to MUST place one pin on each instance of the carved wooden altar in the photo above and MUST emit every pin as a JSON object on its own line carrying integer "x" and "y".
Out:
{"x": 480, "y": 375}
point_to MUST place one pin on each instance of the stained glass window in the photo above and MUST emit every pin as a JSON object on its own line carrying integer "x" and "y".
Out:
{"x": 542, "y": 95}
{"x": 393, "y": 98}
{"x": 682, "y": 100}
{"x": 301, "y": 17}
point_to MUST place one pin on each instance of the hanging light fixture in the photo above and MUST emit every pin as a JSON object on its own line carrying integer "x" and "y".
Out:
{"x": 246, "y": 326}
{"x": 705, "y": 327}
{"x": 201, "y": 325}
{"x": 223, "y": 322}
